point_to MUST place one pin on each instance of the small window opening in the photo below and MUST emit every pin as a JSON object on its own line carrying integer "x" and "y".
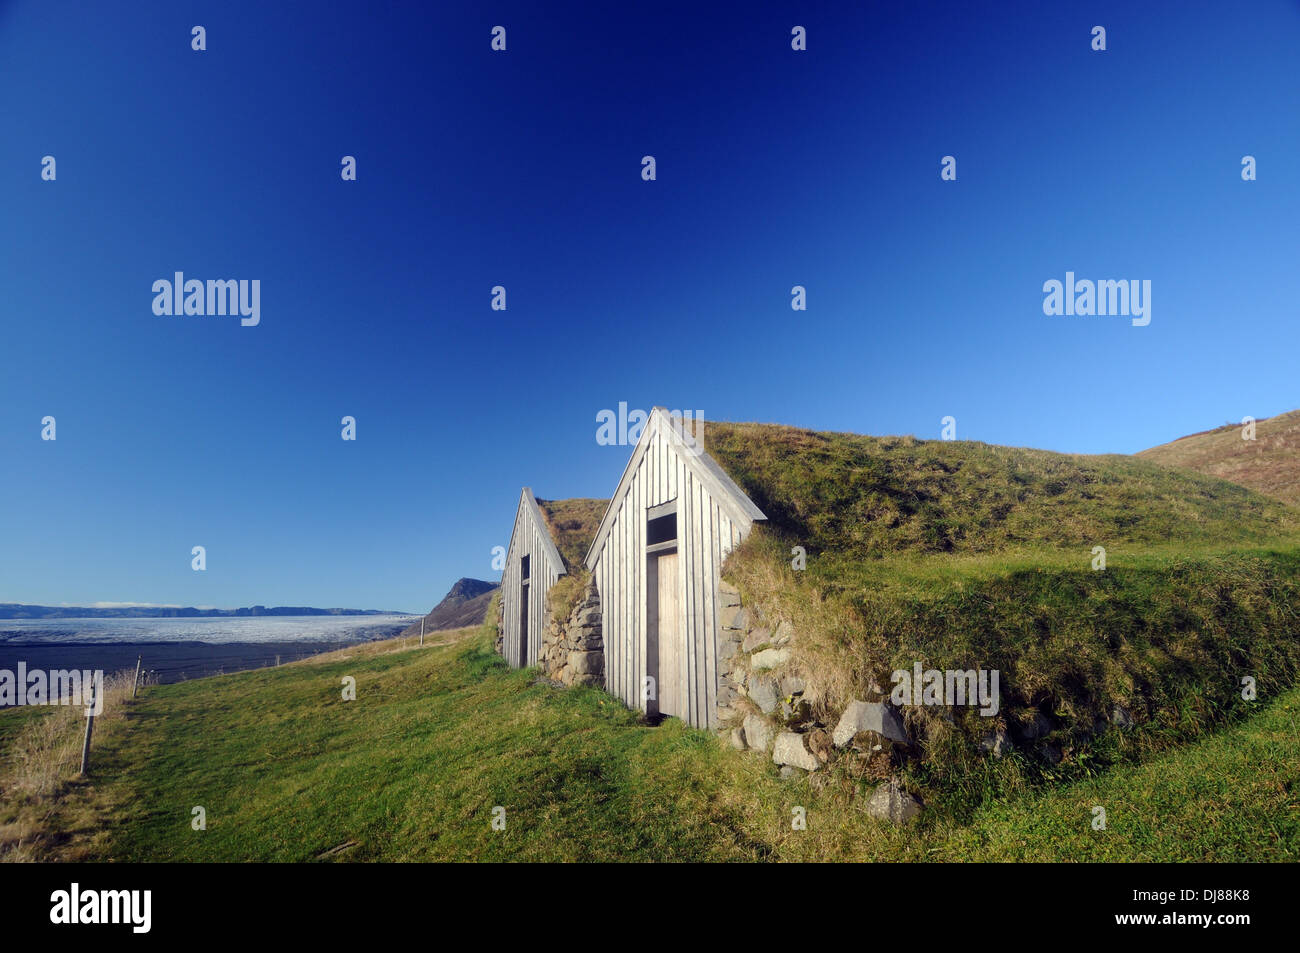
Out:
{"x": 661, "y": 529}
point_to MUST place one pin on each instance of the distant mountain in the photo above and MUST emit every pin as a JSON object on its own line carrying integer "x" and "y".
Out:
{"x": 13, "y": 610}
{"x": 466, "y": 604}
{"x": 1269, "y": 464}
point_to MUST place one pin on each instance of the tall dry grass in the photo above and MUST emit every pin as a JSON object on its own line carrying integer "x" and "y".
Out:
{"x": 43, "y": 760}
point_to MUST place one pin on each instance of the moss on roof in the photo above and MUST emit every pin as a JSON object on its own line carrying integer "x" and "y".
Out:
{"x": 572, "y": 524}
{"x": 863, "y": 497}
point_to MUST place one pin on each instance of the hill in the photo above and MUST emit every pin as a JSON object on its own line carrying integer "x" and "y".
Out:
{"x": 1269, "y": 464}
{"x": 958, "y": 555}
{"x": 464, "y": 604}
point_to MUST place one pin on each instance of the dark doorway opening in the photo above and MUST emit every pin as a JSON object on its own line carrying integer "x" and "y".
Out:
{"x": 524, "y": 583}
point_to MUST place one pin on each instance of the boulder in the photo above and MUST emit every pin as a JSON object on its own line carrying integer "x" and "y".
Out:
{"x": 756, "y": 639}
{"x": 738, "y": 620}
{"x": 879, "y": 717}
{"x": 769, "y": 658}
{"x": 764, "y": 693}
{"x": 791, "y": 685}
{"x": 758, "y": 733}
{"x": 889, "y": 802}
{"x": 783, "y": 633}
{"x": 729, "y": 714}
{"x": 738, "y": 738}
{"x": 587, "y": 663}
{"x": 996, "y": 743}
{"x": 790, "y": 749}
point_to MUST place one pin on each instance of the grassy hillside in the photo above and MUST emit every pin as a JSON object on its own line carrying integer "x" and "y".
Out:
{"x": 953, "y": 555}
{"x": 967, "y": 556}
{"x": 856, "y": 497}
{"x": 1269, "y": 464}
{"x": 437, "y": 737}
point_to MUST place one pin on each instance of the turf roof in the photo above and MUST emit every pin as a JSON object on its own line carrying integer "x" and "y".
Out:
{"x": 863, "y": 497}
{"x": 572, "y": 525}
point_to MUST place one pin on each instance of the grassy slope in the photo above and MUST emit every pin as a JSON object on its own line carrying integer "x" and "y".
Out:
{"x": 963, "y": 555}
{"x": 855, "y": 497}
{"x": 958, "y": 555}
{"x": 1269, "y": 464}
{"x": 436, "y": 738}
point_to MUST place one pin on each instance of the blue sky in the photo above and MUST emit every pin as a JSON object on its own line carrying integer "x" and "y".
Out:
{"x": 522, "y": 169}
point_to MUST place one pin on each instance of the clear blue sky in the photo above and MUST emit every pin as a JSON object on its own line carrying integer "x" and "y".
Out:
{"x": 476, "y": 168}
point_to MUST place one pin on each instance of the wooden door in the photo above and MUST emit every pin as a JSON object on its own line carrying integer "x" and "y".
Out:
{"x": 669, "y": 637}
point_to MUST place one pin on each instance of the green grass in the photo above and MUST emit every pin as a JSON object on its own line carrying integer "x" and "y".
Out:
{"x": 962, "y": 555}
{"x": 411, "y": 770}
{"x": 438, "y": 737}
{"x": 1234, "y": 796}
{"x": 1167, "y": 636}
{"x": 956, "y": 555}
{"x": 856, "y": 497}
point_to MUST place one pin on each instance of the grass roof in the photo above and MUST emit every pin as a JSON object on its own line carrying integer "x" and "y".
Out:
{"x": 572, "y": 524}
{"x": 961, "y": 555}
{"x": 864, "y": 497}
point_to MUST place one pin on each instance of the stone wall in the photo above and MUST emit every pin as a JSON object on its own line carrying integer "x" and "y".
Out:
{"x": 766, "y": 706}
{"x": 573, "y": 650}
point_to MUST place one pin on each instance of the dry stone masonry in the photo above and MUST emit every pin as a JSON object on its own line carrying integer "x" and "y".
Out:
{"x": 572, "y": 651}
{"x": 767, "y": 707}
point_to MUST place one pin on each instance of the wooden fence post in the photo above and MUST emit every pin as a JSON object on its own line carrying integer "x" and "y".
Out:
{"x": 421, "y": 631}
{"x": 136, "y": 685}
{"x": 90, "y": 724}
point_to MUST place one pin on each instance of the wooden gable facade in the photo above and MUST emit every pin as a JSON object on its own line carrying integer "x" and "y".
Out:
{"x": 533, "y": 565}
{"x": 657, "y": 558}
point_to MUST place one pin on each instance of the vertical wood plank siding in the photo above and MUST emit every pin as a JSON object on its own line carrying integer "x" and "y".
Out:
{"x": 529, "y": 538}
{"x": 705, "y": 535}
